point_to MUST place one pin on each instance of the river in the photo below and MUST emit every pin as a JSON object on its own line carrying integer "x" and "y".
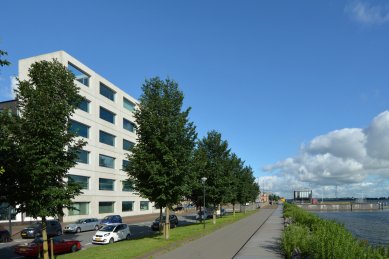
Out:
{"x": 372, "y": 226}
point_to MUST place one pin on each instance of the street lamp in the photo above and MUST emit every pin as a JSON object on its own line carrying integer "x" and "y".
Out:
{"x": 203, "y": 179}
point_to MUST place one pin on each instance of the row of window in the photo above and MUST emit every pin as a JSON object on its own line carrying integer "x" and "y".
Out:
{"x": 104, "y": 137}
{"x": 82, "y": 208}
{"x": 105, "y": 91}
{"x": 104, "y": 161}
{"x": 104, "y": 184}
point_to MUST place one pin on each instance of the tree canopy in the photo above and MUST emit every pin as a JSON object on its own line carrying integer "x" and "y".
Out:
{"x": 160, "y": 162}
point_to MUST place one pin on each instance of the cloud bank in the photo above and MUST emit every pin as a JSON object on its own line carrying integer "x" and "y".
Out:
{"x": 368, "y": 14}
{"x": 347, "y": 162}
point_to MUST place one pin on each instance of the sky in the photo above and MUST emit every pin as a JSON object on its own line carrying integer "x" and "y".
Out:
{"x": 299, "y": 89}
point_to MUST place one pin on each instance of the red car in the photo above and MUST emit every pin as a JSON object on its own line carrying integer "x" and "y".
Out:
{"x": 60, "y": 246}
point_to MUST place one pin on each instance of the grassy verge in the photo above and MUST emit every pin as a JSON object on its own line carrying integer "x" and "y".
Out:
{"x": 317, "y": 238}
{"x": 156, "y": 243}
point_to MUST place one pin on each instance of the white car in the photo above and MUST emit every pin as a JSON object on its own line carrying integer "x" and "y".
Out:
{"x": 111, "y": 233}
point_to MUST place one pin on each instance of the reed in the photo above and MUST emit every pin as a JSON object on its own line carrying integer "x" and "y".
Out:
{"x": 312, "y": 237}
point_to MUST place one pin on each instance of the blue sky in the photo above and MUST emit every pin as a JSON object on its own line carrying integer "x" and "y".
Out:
{"x": 284, "y": 81}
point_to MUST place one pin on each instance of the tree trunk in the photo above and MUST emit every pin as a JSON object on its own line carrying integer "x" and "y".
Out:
{"x": 233, "y": 209}
{"x": 44, "y": 236}
{"x": 214, "y": 215}
{"x": 167, "y": 223}
{"x": 160, "y": 221}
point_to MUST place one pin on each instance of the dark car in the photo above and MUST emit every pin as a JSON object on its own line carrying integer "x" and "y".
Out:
{"x": 4, "y": 236}
{"x": 35, "y": 247}
{"x": 173, "y": 222}
{"x": 110, "y": 219}
{"x": 35, "y": 229}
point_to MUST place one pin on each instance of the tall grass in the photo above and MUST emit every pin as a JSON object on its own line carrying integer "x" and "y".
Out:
{"x": 317, "y": 238}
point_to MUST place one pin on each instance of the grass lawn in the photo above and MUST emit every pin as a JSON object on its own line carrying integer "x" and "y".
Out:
{"x": 149, "y": 245}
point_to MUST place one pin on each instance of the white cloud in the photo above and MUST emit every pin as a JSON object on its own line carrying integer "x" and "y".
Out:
{"x": 352, "y": 159}
{"x": 368, "y": 14}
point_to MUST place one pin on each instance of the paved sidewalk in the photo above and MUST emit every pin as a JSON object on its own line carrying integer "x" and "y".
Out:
{"x": 230, "y": 240}
{"x": 265, "y": 242}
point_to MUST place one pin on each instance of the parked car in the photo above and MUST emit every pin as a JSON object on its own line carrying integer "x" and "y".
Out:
{"x": 35, "y": 247}
{"x": 172, "y": 218}
{"x": 35, "y": 229}
{"x": 201, "y": 215}
{"x": 110, "y": 219}
{"x": 5, "y": 236}
{"x": 82, "y": 225}
{"x": 112, "y": 233}
{"x": 178, "y": 208}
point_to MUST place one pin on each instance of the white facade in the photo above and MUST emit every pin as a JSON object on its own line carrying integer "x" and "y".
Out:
{"x": 97, "y": 173}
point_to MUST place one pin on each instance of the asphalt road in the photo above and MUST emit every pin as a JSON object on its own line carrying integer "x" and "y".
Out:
{"x": 137, "y": 230}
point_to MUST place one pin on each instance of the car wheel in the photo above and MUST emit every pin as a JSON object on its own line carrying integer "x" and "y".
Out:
{"x": 78, "y": 230}
{"x": 128, "y": 237}
{"x": 73, "y": 248}
{"x": 96, "y": 227}
{"x": 111, "y": 240}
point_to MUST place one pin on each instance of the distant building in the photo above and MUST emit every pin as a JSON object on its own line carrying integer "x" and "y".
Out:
{"x": 302, "y": 196}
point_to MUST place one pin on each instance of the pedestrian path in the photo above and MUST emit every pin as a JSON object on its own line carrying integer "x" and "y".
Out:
{"x": 231, "y": 241}
{"x": 265, "y": 242}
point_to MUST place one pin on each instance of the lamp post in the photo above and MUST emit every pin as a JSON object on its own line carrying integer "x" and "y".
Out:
{"x": 203, "y": 179}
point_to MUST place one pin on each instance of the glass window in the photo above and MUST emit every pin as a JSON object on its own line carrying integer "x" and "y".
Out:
{"x": 83, "y": 157}
{"x": 127, "y": 206}
{"x": 128, "y": 145}
{"x": 107, "y": 115}
{"x": 128, "y": 125}
{"x": 128, "y": 186}
{"x": 80, "y": 208}
{"x": 83, "y": 181}
{"x": 106, "y": 184}
{"x": 80, "y": 129}
{"x": 106, "y": 206}
{"x": 107, "y": 138}
{"x": 81, "y": 76}
{"x": 84, "y": 105}
{"x": 106, "y": 161}
{"x": 128, "y": 105}
{"x": 125, "y": 163}
{"x": 107, "y": 92}
{"x": 144, "y": 205}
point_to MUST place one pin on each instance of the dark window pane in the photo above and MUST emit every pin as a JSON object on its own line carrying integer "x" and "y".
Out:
{"x": 107, "y": 92}
{"x": 128, "y": 145}
{"x": 107, "y": 138}
{"x": 106, "y": 184}
{"x": 107, "y": 115}
{"x": 79, "y": 129}
{"x": 144, "y": 205}
{"x": 83, "y": 181}
{"x": 84, "y": 105}
{"x": 106, "y": 207}
{"x": 106, "y": 161}
{"x": 128, "y": 125}
{"x": 125, "y": 164}
{"x": 127, "y": 206}
{"x": 80, "y": 208}
{"x": 83, "y": 157}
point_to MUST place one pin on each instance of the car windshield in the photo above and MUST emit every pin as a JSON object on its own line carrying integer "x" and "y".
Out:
{"x": 163, "y": 218}
{"x": 107, "y": 218}
{"x": 35, "y": 225}
{"x": 79, "y": 221}
{"x": 108, "y": 228}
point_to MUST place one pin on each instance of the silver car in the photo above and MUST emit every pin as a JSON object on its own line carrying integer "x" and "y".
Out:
{"x": 82, "y": 225}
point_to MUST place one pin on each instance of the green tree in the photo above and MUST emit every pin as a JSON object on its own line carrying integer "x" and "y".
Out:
{"x": 211, "y": 160}
{"x": 44, "y": 147}
{"x": 160, "y": 163}
{"x": 235, "y": 168}
{"x": 248, "y": 188}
